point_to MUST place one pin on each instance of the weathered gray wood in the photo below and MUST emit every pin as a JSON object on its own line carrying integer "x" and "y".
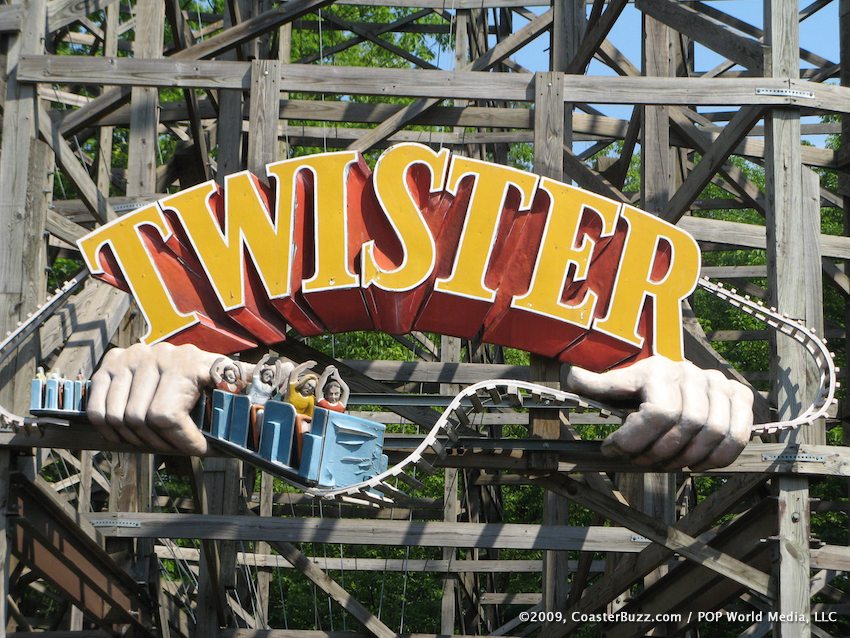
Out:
{"x": 210, "y": 47}
{"x": 792, "y": 243}
{"x": 18, "y": 130}
{"x": 711, "y": 160}
{"x": 144, "y": 143}
{"x": 333, "y": 589}
{"x": 594, "y": 36}
{"x": 363, "y": 532}
{"x": 704, "y": 30}
{"x": 34, "y": 276}
{"x": 98, "y": 317}
{"x": 549, "y": 145}
{"x": 695, "y": 522}
{"x": 376, "y": 564}
{"x": 752, "y": 236}
{"x": 103, "y": 175}
{"x": 262, "y": 132}
{"x": 793, "y": 570}
{"x": 464, "y": 84}
{"x": 61, "y": 13}
{"x": 493, "y": 56}
{"x": 11, "y": 18}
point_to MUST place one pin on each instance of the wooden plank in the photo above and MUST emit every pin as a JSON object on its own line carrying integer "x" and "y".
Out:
{"x": 367, "y": 532}
{"x": 143, "y": 145}
{"x": 793, "y": 571}
{"x": 706, "y": 31}
{"x": 103, "y": 175}
{"x": 39, "y": 192}
{"x": 753, "y": 236}
{"x": 436, "y": 372}
{"x": 550, "y": 141}
{"x": 462, "y": 84}
{"x": 11, "y": 18}
{"x": 376, "y": 564}
{"x": 831, "y": 557}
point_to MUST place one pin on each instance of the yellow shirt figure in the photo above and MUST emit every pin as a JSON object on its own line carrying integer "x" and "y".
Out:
{"x": 303, "y": 405}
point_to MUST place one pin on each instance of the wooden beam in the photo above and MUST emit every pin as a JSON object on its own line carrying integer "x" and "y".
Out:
{"x": 492, "y": 57}
{"x": 706, "y": 31}
{"x": 594, "y": 37}
{"x": 212, "y": 46}
{"x": 97, "y": 318}
{"x": 326, "y": 563}
{"x": 712, "y": 159}
{"x": 753, "y": 236}
{"x": 472, "y": 83}
{"x": 366, "y": 532}
{"x": 61, "y": 13}
{"x": 94, "y": 199}
{"x": 695, "y": 522}
{"x": 333, "y": 589}
{"x": 11, "y": 18}
{"x": 655, "y": 530}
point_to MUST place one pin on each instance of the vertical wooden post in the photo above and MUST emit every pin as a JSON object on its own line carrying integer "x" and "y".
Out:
{"x": 657, "y": 163}
{"x": 263, "y": 117}
{"x": 844, "y": 190}
{"x": 221, "y": 489}
{"x": 229, "y": 125}
{"x": 22, "y": 230}
{"x": 132, "y": 474}
{"x": 19, "y": 128}
{"x": 449, "y": 353}
{"x": 548, "y": 161}
{"x": 284, "y": 56}
{"x": 104, "y": 144}
{"x": 793, "y": 260}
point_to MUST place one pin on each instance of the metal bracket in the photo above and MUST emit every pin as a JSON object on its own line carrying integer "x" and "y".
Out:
{"x": 639, "y": 539}
{"x": 791, "y": 457}
{"x": 114, "y": 522}
{"x": 799, "y": 93}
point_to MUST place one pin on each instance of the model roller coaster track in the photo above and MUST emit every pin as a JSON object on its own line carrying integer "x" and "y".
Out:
{"x": 387, "y": 487}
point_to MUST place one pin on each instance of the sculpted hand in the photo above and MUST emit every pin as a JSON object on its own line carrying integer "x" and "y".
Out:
{"x": 688, "y": 417}
{"x": 143, "y": 395}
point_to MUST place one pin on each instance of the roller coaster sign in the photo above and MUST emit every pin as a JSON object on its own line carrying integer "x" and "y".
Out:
{"x": 425, "y": 241}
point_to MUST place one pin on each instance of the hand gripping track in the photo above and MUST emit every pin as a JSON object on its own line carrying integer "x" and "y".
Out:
{"x": 814, "y": 345}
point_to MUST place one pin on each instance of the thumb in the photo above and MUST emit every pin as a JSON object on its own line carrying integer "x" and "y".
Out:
{"x": 623, "y": 383}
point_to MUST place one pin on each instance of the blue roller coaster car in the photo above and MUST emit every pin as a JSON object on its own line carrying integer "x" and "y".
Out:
{"x": 339, "y": 450}
{"x": 65, "y": 396}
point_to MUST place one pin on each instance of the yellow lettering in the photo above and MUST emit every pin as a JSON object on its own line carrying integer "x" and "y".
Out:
{"x": 558, "y": 252}
{"x": 393, "y": 192}
{"x": 635, "y": 283}
{"x": 139, "y": 269}
{"x": 481, "y": 223}
{"x": 330, "y": 225}
{"x": 247, "y": 225}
